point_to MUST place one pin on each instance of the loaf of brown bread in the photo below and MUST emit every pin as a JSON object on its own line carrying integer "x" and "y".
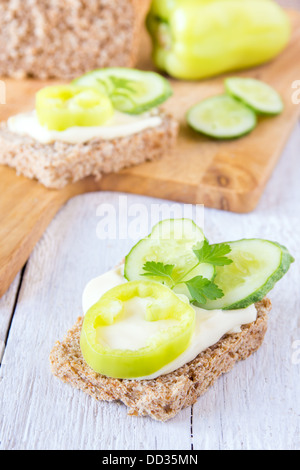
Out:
{"x": 64, "y": 39}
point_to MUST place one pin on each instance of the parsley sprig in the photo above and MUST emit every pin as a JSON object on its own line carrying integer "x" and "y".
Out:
{"x": 200, "y": 288}
{"x": 213, "y": 254}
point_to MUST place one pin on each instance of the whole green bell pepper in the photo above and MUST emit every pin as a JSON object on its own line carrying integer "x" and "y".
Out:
{"x": 196, "y": 39}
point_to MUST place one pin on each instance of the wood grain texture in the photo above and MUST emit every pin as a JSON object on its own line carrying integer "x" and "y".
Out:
{"x": 227, "y": 175}
{"x": 7, "y": 306}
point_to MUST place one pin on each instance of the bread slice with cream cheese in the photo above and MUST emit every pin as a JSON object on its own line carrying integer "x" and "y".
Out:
{"x": 164, "y": 397}
{"x": 59, "y": 163}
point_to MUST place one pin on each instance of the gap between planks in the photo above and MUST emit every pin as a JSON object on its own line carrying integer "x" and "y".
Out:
{"x": 4, "y": 339}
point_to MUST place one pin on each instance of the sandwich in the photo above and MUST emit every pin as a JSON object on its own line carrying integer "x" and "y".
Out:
{"x": 99, "y": 123}
{"x": 158, "y": 330}
{"x": 58, "y": 39}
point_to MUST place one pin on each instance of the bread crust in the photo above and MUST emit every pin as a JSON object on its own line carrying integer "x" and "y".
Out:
{"x": 161, "y": 398}
{"x": 63, "y": 39}
{"x": 59, "y": 163}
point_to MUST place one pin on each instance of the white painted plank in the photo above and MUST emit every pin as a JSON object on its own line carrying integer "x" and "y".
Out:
{"x": 257, "y": 405}
{"x": 7, "y": 302}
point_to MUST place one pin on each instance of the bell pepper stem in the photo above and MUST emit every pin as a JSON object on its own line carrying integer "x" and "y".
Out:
{"x": 164, "y": 36}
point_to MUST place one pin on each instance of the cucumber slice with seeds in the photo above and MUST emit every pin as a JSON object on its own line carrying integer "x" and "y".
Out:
{"x": 257, "y": 266}
{"x": 258, "y": 95}
{"x": 131, "y": 91}
{"x": 170, "y": 242}
{"x": 222, "y": 117}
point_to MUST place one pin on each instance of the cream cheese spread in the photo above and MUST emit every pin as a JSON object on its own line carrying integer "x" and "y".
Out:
{"x": 133, "y": 330}
{"x": 120, "y": 125}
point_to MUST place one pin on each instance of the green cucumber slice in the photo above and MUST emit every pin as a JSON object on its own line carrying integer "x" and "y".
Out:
{"x": 170, "y": 242}
{"x": 131, "y": 91}
{"x": 222, "y": 117}
{"x": 258, "y": 95}
{"x": 257, "y": 266}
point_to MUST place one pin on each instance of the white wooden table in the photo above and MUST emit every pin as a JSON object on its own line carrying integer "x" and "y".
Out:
{"x": 255, "y": 406}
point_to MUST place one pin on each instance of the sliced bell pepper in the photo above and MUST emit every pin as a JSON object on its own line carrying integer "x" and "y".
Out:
{"x": 161, "y": 348}
{"x": 63, "y": 106}
{"x": 196, "y": 39}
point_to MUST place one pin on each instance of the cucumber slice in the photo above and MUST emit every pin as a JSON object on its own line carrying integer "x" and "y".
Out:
{"x": 170, "y": 242}
{"x": 258, "y": 95}
{"x": 222, "y": 117}
{"x": 257, "y": 266}
{"x": 131, "y": 91}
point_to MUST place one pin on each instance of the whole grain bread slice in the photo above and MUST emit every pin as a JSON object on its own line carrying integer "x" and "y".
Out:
{"x": 161, "y": 398}
{"x": 59, "y": 163}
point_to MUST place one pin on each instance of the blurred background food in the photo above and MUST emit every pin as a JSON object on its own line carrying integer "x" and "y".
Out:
{"x": 191, "y": 39}
{"x": 195, "y": 39}
{"x": 62, "y": 39}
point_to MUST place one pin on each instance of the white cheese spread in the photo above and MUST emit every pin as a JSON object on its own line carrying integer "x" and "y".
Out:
{"x": 133, "y": 330}
{"x": 120, "y": 125}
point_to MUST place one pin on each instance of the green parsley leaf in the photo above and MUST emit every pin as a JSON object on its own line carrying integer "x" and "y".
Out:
{"x": 213, "y": 254}
{"x": 202, "y": 289}
{"x": 152, "y": 268}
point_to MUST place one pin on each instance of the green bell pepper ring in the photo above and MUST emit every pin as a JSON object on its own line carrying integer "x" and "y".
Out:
{"x": 161, "y": 347}
{"x": 63, "y": 106}
{"x": 197, "y": 39}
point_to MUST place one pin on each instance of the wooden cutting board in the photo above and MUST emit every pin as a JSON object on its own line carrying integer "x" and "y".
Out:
{"x": 223, "y": 175}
